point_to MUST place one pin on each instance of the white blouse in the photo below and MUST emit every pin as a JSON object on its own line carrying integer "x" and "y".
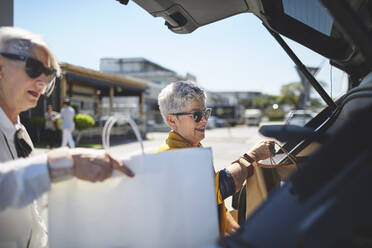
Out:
{"x": 22, "y": 180}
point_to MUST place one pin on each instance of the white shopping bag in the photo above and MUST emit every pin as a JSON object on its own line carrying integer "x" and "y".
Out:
{"x": 171, "y": 202}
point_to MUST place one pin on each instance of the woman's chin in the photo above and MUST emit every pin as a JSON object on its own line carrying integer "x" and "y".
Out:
{"x": 200, "y": 136}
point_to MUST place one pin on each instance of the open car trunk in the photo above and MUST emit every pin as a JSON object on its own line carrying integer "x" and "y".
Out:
{"x": 318, "y": 205}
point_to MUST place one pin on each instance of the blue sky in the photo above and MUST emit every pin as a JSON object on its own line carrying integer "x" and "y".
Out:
{"x": 233, "y": 54}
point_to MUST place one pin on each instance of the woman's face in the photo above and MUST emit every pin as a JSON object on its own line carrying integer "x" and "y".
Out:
{"x": 19, "y": 92}
{"x": 185, "y": 125}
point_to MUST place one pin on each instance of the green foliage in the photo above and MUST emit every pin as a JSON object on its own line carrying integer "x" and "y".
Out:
{"x": 274, "y": 114}
{"x": 247, "y": 103}
{"x": 290, "y": 94}
{"x": 59, "y": 124}
{"x": 83, "y": 121}
{"x": 265, "y": 101}
{"x": 259, "y": 102}
{"x": 316, "y": 103}
{"x": 37, "y": 121}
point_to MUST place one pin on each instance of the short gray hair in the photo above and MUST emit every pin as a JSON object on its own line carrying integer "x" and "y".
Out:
{"x": 177, "y": 95}
{"x": 22, "y": 42}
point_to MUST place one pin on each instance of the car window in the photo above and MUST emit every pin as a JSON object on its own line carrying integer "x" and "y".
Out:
{"x": 309, "y": 12}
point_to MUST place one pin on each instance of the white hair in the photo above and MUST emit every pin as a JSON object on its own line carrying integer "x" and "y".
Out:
{"x": 22, "y": 41}
{"x": 175, "y": 97}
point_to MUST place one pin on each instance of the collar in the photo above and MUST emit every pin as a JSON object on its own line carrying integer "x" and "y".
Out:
{"x": 175, "y": 141}
{"x": 7, "y": 127}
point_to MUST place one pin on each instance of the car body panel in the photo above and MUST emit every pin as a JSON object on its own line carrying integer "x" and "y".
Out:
{"x": 184, "y": 16}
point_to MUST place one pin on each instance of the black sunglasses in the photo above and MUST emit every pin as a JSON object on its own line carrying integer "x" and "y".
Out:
{"x": 197, "y": 115}
{"x": 34, "y": 68}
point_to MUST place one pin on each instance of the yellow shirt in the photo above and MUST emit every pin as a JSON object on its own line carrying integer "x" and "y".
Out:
{"x": 176, "y": 141}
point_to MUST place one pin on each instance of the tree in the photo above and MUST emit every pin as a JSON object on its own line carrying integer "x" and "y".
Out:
{"x": 259, "y": 102}
{"x": 290, "y": 94}
{"x": 247, "y": 103}
{"x": 316, "y": 103}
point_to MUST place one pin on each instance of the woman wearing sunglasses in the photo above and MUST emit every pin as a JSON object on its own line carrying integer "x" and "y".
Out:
{"x": 28, "y": 69}
{"x": 183, "y": 107}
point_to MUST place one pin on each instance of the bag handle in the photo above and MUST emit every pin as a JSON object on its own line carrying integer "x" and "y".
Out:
{"x": 110, "y": 123}
{"x": 290, "y": 160}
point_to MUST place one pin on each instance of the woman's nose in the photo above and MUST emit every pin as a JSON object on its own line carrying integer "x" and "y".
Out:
{"x": 204, "y": 119}
{"x": 42, "y": 82}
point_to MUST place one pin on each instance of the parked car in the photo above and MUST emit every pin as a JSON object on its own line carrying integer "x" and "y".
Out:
{"x": 322, "y": 200}
{"x": 299, "y": 117}
{"x": 211, "y": 122}
{"x": 221, "y": 122}
{"x": 214, "y": 122}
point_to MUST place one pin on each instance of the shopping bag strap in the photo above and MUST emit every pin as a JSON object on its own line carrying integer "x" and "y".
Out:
{"x": 110, "y": 123}
{"x": 290, "y": 160}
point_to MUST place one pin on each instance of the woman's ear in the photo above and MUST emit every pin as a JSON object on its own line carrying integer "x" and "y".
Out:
{"x": 171, "y": 120}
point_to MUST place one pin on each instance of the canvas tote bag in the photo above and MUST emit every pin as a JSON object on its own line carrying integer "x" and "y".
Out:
{"x": 171, "y": 202}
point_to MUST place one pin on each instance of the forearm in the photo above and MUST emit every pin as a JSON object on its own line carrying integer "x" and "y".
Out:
{"x": 22, "y": 181}
{"x": 242, "y": 168}
{"x": 232, "y": 179}
{"x": 239, "y": 174}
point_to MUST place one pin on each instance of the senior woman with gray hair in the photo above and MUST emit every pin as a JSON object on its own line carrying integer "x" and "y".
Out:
{"x": 183, "y": 107}
{"x": 28, "y": 69}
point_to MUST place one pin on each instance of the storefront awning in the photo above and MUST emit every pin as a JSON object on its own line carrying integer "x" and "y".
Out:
{"x": 101, "y": 79}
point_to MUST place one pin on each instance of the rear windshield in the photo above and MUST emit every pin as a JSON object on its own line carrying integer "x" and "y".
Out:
{"x": 309, "y": 12}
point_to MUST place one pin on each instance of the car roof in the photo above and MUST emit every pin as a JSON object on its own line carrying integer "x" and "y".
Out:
{"x": 304, "y": 21}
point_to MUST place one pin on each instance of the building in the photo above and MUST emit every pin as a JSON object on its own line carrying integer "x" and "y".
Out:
{"x": 92, "y": 92}
{"x": 139, "y": 68}
{"x": 228, "y": 104}
{"x": 231, "y": 97}
{"x": 156, "y": 76}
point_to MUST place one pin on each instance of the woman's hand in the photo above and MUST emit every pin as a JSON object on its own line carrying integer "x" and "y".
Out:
{"x": 91, "y": 165}
{"x": 262, "y": 150}
{"x": 231, "y": 225}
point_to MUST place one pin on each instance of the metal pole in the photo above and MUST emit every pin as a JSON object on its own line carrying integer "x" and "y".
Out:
{"x": 112, "y": 93}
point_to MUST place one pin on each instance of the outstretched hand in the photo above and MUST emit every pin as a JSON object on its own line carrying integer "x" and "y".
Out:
{"x": 92, "y": 166}
{"x": 263, "y": 150}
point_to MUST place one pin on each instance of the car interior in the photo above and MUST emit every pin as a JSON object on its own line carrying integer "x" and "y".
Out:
{"x": 322, "y": 201}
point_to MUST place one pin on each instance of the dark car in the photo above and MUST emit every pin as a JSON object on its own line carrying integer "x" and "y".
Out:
{"x": 325, "y": 201}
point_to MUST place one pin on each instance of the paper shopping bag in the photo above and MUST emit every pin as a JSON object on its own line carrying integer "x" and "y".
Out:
{"x": 171, "y": 202}
{"x": 256, "y": 191}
